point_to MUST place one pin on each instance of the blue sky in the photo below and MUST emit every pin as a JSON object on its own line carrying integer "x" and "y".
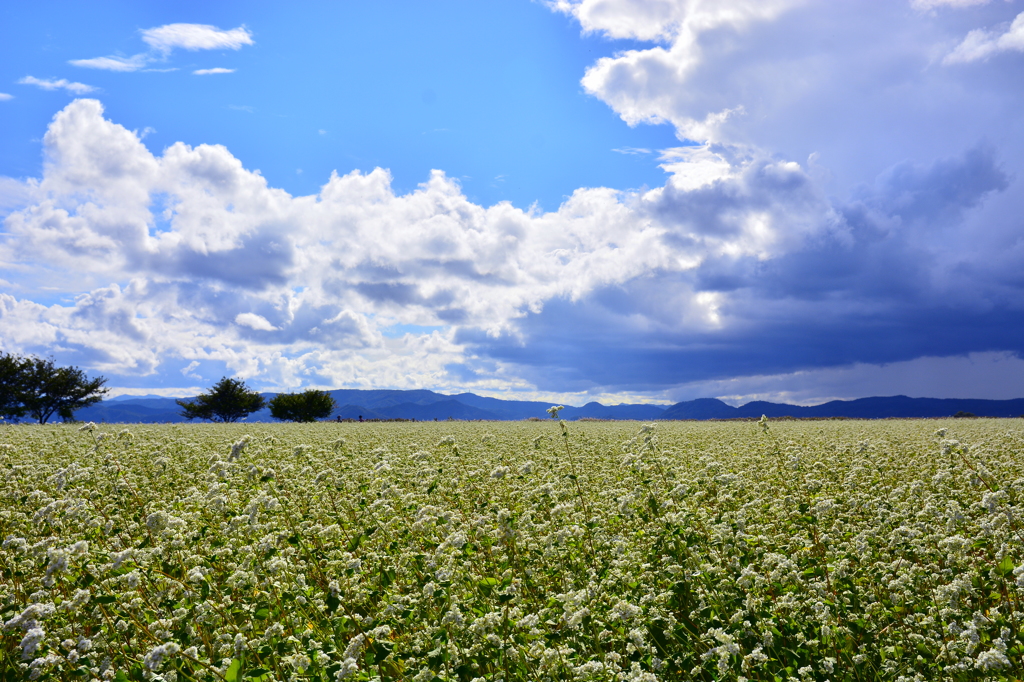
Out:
{"x": 584, "y": 199}
{"x": 489, "y": 92}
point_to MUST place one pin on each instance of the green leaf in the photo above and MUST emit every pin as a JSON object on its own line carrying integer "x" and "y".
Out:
{"x": 120, "y": 676}
{"x": 1005, "y": 566}
{"x": 256, "y": 672}
{"x": 380, "y": 650}
{"x": 231, "y": 675}
{"x": 262, "y": 613}
{"x": 105, "y": 599}
{"x": 487, "y": 584}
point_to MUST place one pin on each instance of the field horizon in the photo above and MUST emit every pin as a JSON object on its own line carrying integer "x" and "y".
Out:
{"x": 427, "y": 405}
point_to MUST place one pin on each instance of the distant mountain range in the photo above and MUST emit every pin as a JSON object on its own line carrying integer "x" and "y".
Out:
{"x": 423, "y": 405}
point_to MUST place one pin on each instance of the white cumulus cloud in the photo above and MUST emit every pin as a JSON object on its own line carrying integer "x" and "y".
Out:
{"x": 982, "y": 44}
{"x": 739, "y": 265}
{"x": 244, "y": 273}
{"x": 650, "y": 86}
{"x": 254, "y": 321}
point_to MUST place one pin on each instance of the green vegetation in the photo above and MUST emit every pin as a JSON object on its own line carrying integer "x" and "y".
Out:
{"x": 307, "y": 406}
{"x": 771, "y": 551}
{"x": 228, "y": 401}
{"x": 40, "y": 389}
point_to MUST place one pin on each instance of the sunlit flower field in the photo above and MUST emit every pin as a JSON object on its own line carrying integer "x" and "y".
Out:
{"x": 823, "y": 550}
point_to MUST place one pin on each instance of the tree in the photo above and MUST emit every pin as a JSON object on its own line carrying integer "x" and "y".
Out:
{"x": 307, "y": 406}
{"x": 41, "y": 389}
{"x": 12, "y": 379}
{"x": 228, "y": 401}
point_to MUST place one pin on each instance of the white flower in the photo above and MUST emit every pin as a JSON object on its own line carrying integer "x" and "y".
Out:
{"x": 624, "y": 611}
{"x": 30, "y": 642}
{"x": 237, "y": 448}
{"x": 355, "y": 646}
{"x": 348, "y": 668}
{"x": 453, "y": 617}
{"x": 155, "y": 658}
{"x": 992, "y": 659}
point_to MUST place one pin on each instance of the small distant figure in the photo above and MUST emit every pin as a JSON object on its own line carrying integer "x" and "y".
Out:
{"x": 360, "y": 417}
{"x": 338, "y": 418}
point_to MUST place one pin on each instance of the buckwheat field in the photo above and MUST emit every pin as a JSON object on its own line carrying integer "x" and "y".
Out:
{"x": 839, "y": 550}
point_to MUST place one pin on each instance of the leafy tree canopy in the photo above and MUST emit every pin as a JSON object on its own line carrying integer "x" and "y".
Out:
{"x": 228, "y": 401}
{"x": 307, "y": 406}
{"x": 12, "y": 380}
{"x": 40, "y": 388}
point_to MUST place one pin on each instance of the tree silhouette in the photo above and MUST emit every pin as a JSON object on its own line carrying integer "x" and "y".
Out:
{"x": 228, "y": 401}
{"x": 12, "y": 378}
{"x": 41, "y": 389}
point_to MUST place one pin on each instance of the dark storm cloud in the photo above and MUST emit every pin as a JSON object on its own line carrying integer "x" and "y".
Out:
{"x": 869, "y": 291}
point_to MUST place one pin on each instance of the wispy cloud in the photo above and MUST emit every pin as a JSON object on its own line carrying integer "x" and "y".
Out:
{"x": 195, "y": 37}
{"x": 242, "y": 107}
{"x": 932, "y": 4}
{"x": 635, "y": 151}
{"x": 4, "y": 97}
{"x": 207, "y": 72}
{"x": 62, "y": 84}
{"x": 163, "y": 39}
{"x": 112, "y": 63}
{"x": 982, "y": 44}
{"x": 187, "y": 370}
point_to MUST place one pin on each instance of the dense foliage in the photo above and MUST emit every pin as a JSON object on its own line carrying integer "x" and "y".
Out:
{"x": 513, "y": 551}
{"x": 227, "y": 401}
{"x": 307, "y": 406}
{"x": 39, "y": 388}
